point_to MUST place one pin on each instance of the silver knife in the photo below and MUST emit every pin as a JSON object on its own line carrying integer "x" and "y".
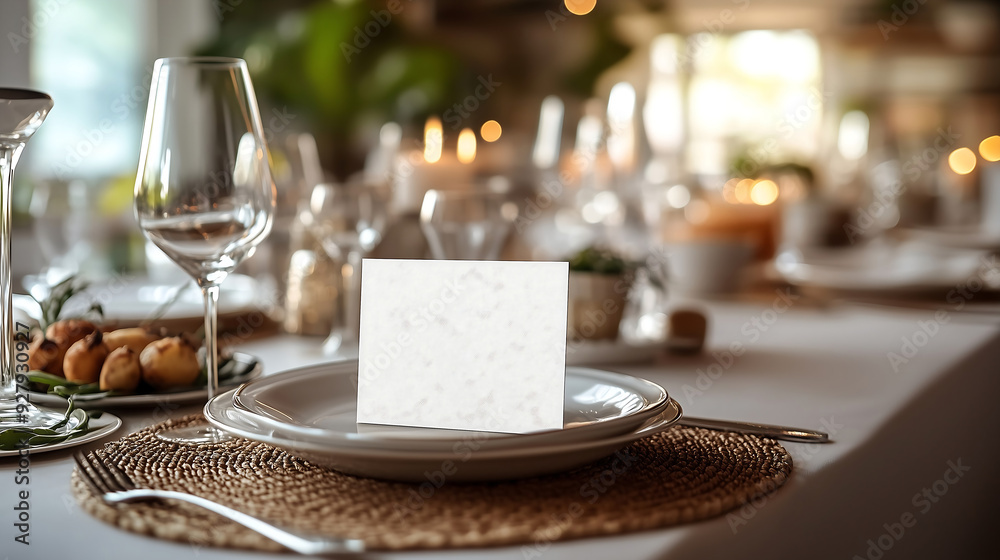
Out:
{"x": 777, "y": 432}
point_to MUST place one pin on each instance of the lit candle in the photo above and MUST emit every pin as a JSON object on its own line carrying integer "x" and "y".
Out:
{"x": 433, "y": 140}
{"x": 418, "y": 171}
{"x": 466, "y": 150}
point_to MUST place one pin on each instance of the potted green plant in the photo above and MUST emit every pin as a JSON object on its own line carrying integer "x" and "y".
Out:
{"x": 599, "y": 282}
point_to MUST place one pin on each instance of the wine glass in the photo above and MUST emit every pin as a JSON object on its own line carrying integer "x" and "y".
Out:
{"x": 348, "y": 220}
{"x": 63, "y": 224}
{"x": 203, "y": 192}
{"x": 22, "y": 111}
{"x": 467, "y": 224}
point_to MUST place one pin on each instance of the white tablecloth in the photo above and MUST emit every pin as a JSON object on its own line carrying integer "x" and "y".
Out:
{"x": 908, "y": 397}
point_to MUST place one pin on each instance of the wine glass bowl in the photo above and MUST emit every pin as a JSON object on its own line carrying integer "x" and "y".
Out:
{"x": 22, "y": 111}
{"x": 346, "y": 218}
{"x": 203, "y": 192}
{"x": 467, "y": 224}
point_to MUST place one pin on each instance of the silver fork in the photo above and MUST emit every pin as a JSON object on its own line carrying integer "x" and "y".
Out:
{"x": 115, "y": 487}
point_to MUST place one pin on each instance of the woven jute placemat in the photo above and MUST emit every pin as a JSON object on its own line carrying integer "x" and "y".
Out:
{"x": 678, "y": 476}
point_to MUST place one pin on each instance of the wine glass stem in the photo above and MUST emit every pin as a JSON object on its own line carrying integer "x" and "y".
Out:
{"x": 8, "y": 158}
{"x": 211, "y": 293}
{"x": 353, "y": 296}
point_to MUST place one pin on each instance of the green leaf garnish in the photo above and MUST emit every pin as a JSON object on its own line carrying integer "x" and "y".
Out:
{"x": 75, "y": 423}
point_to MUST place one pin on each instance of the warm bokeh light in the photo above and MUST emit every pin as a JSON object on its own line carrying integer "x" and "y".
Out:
{"x": 433, "y": 139}
{"x": 962, "y": 161}
{"x": 729, "y": 191}
{"x": 764, "y": 192}
{"x": 491, "y": 131}
{"x": 742, "y": 191}
{"x": 990, "y": 148}
{"x": 580, "y": 7}
{"x": 466, "y": 146}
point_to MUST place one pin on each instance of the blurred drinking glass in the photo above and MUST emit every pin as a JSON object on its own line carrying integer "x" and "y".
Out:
{"x": 62, "y": 219}
{"x": 349, "y": 221}
{"x": 466, "y": 224}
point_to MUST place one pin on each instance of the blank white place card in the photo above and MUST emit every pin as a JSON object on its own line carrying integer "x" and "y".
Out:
{"x": 467, "y": 345}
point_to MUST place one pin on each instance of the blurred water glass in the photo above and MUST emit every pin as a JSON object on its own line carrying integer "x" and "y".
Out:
{"x": 66, "y": 225}
{"x": 466, "y": 224}
{"x": 348, "y": 220}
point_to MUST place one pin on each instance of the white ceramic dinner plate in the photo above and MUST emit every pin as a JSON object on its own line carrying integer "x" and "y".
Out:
{"x": 881, "y": 268}
{"x": 319, "y": 403}
{"x": 102, "y": 426}
{"x": 251, "y": 368}
{"x": 467, "y": 461}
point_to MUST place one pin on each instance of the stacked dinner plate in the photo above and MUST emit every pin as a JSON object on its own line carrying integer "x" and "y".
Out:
{"x": 311, "y": 412}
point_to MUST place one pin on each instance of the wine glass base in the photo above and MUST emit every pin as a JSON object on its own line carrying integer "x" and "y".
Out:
{"x": 195, "y": 435}
{"x": 17, "y": 414}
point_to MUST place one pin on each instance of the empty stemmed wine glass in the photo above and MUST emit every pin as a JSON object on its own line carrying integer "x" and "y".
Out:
{"x": 22, "y": 111}
{"x": 348, "y": 220}
{"x": 203, "y": 192}
{"x": 466, "y": 224}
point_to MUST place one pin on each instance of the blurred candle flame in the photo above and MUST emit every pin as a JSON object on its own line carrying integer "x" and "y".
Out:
{"x": 742, "y": 191}
{"x": 962, "y": 161}
{"x": 580, "y": 7}
{"x": 433, "y": 140}
{"x": 764, "y": 192}
{"x": 491, "y": 131}
{"x": 729, "y": 191}
{"x": 989, "y": 148}
{"x": 466, "y": 146}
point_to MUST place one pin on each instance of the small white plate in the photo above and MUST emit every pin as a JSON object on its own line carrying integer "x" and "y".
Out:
{"x": 319, "y": 403}
{"x": 102, "y": 426}
{"x": 152, "y": 399}
{"x": 466, "y": 462}
{"x": 880, "y": 268}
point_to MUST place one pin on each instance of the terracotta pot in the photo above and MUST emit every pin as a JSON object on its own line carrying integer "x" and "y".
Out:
{"x": 596, "y": 304}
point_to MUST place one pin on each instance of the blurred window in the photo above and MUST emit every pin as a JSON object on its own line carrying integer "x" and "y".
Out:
{"x": 89, "y": 57}
{"x": 760, "y": 87}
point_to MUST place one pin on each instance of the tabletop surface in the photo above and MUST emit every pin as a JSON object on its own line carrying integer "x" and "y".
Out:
{"x": 897, "y": 391}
